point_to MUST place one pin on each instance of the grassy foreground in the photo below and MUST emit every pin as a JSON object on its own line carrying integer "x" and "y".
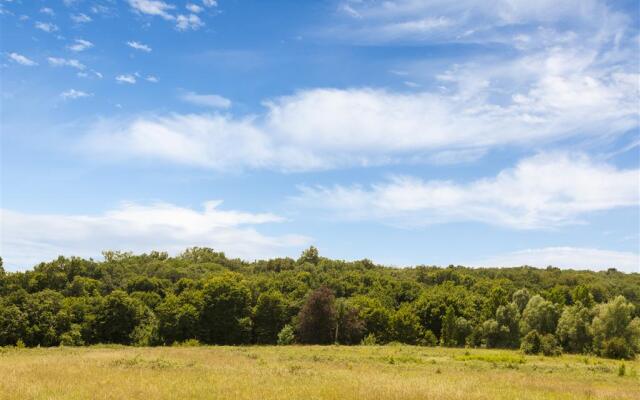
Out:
{"x": 308, "y": 372}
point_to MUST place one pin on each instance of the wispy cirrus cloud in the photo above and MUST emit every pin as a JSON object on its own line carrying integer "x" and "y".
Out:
{"x": 48, "y": 11}
{"x": 467, "y": 20}
{"x": 31, "y": 238}
{"x": 22, "y": 60}
{"x": 80, "y": 18}
{"x": 126, "y": 78}
{"x": 555, "y": 95}
{"x": 73, "y": 94}
{"x": 80, "y": 45}
{"x": 206, "y": 100}
{"x": 139, "y": 46}
{"x": 153, "y": 7}
{"x": 164, "y": 10}
{"x": 46, "y": 27}
{"x": 544, "y": 191}
{"x": 65, "y": 62}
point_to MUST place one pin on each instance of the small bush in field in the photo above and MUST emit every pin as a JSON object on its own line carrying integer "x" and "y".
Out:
{"x": 369, "y": 340}
{"x": 286, "y": 336}
{"x": 531, "y": 343}
{"x": 549, "y": 345}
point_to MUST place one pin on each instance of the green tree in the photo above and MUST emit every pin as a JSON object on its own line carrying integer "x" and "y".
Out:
{"x": 521, "y": 299}
{"x": 13, "y": 324}
{"x": 375, "y": 316}
{"x": 309, "y": 255}
{"x": 503, "y": 330}
{"x": 508, "y": 318}
{"x": 574, "y": 328}
{"x": 270, "y": 316}
{"x": 405, "y": 325}
{"x": 616, "y": 332}
{"x": 44, "y": 324}
{"x": 117, "y": 317}
{"x": 582, "y": 294}
{"x": 177, "y": 320}
{"x": 226, "y": 311}
{"x": 448, "y": 334}
{"x": 540, "y": 315}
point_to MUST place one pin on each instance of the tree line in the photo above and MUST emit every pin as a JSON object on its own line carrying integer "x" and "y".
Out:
{"x": 201, "y": 296}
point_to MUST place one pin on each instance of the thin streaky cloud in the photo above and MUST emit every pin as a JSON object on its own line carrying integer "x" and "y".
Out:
{"x": 206, "y": 100}
{"x": 139, "y": 46}
{"x": 46, "y": 27}
{"x": 126, "y": 78}
{"x": 64, "y": 62}
{"x": 22, "y": 60}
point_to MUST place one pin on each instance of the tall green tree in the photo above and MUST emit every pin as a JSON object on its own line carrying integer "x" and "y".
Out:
{"x": 117, "y": 317}
{"x": 616, "y": 332}
{"x": 574, "y": 328}
{"x": 226, "y": 311}
{"x": 270, "y": 316}
{"x": 177, "y": 320}
{"x": 540, "y": 315}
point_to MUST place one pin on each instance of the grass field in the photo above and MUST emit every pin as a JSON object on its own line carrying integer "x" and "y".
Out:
{"x": 308, "y": 372}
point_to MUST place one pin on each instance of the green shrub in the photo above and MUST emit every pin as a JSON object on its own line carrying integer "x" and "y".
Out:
{"x": 369, "y": 340}
{"x": 617, "y": 348}
{"x": 531, "y": 343}
{"x": 286, "y": 336}
{"x": 73, "y": 337}
{"x": 428, "y": 339}
{"x": 549, "y": 345}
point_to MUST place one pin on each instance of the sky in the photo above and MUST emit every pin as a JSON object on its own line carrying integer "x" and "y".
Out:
{"x": 408, "y": 132}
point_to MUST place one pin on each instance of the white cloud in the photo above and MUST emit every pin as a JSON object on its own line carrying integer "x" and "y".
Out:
{"x": 210, "y": 3}
{"x": 210, "y": 141}
{"x": 206, "y": 100}
{"x": 73, "y": 94}
{"x": 186, "y": 22}
{"x": 139, "y": 46}
{"x": 89, "y": 74}
{"x": 153, "y": 7}
{"x": 100, "y": 9}
{"x": 31, "y": 238}
{"x": 46, "y": 27}
{"x": 566, "y": 257}
{"x": 466, "y": 20}
{"x": 128, "y": 78}
{"x": 64, "y": 62}
{"x": 331, "y": 128}
{"x": 80, "y": 18}
{"x": 22, "y": 60}
{"x": 194, "y": 8}
{"x": 80, "y": 45}
{"x": 152, "y": 79}
{"x": 547, "y": 94}
{"x": 47, "y": 10}
{"x": 543, "y": 191}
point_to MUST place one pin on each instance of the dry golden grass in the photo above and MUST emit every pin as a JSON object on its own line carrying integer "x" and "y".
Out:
{"x": 308, "y": 372}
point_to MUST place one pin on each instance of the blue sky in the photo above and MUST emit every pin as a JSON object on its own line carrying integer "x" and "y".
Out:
{"x": 405, "y": 131}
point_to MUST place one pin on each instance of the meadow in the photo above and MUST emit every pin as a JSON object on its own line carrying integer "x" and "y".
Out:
{"x": 308, "y": 372}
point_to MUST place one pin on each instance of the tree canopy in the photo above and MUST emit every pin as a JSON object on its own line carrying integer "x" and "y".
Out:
{"x": 201, "y": 294}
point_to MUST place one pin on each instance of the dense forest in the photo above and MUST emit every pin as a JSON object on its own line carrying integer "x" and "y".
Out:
{"x": 201, "y": 296}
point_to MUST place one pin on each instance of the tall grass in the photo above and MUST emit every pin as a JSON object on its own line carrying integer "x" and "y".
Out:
{"x": 307, "y": 372}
